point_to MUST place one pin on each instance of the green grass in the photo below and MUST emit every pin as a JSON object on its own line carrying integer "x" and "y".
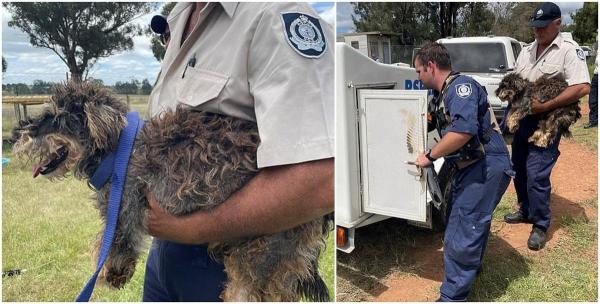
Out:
{"x": 565, "y": 272}
{"x": 586, "y": 137}
{"x": 49, "y": 228}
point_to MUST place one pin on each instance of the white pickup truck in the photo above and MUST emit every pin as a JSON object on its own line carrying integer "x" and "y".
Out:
{"x": 486, "y": 59}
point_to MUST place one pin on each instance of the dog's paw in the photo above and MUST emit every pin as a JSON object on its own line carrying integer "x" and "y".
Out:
{"x": 539, "y": 139}
{"x": 117, "y": 277}
{"x": 512, "y": 125}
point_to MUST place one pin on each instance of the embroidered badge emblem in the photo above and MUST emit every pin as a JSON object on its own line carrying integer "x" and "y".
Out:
{"x": 539, "y": 13}
{"x": 304, "y": 34}
{"x": 580, "y": 54}
{"x": 463, "y": 90}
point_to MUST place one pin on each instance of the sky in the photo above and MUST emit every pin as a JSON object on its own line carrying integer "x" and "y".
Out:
{"x": 345, "y": 24}
{"x": 27, "y": 63}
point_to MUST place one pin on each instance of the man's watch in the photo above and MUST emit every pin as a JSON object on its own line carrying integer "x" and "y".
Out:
{"x": 428, "y": 156}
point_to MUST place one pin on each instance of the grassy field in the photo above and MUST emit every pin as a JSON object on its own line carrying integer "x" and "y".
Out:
{"x": 48, "y": 229}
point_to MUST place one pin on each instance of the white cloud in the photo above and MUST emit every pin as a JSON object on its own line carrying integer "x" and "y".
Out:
{"x": 328, "y": 15}
{"x": 344, "y": 18}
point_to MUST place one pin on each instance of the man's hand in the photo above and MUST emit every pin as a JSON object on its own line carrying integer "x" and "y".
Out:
{"x": 538, "y": 107}
{"x": 422, "y": 161}
{"x": 165, "y": 226}
{"x": 570, "y": 95}
{"x": 276, "y": 199}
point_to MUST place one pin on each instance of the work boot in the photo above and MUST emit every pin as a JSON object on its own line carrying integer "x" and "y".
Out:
{"x": 515, "y": 218}
{"x": 537, "y": 239}
{"x": 590, "y": 125}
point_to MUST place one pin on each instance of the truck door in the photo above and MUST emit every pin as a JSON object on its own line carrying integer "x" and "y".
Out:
{"x": 392, "y": 131}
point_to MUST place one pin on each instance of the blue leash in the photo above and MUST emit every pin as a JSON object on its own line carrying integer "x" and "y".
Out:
{"x": 113, "y": 166}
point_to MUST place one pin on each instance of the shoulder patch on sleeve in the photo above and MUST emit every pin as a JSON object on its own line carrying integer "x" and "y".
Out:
{"x": 463, "y": 90}
{"x": 304, "y": 34}
{"x": 580, "y": 54}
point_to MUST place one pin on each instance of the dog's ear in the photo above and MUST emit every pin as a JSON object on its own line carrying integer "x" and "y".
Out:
{"x": 519, "y": 83}
{"x": 104, "y": 123}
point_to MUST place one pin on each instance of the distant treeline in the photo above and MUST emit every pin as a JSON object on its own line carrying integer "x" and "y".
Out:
{"x": 40, "y": 87}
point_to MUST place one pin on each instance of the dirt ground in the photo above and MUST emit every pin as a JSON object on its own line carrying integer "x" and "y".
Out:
{"x": 574, "y": 179}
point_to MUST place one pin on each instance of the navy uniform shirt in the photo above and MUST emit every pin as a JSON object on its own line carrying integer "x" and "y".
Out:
{"x": 467, "y": 105}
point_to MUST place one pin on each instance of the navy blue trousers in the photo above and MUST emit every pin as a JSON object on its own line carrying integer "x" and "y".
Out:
{"x": 533, "y": 166}
{"x": 593, "y": 100}
{"x": 182, "y": 273}
{"x": 476, "y": 191}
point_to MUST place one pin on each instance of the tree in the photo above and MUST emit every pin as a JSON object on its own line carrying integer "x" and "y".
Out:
{"x": 4, "y": 65}
{"x": 586, "y": 23}
{"x": 79, "y": 32}
{"x": 421, "y": 22}
{"x": 512, "y": 19}
{"x": 157, "y": 48}
{"x": 21, "y": 89}
{"x": 477, "y": 19}
{"x": 445, "y": 14}
{"x": 410, "y": 20}
{"x": 130, "y": 87}
{"x": 146, "y": 87}
{"x": 42, "y": 87}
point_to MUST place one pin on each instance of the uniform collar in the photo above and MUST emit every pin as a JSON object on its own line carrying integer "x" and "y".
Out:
{"x": 557, "y": 41}
{"x": 229, "y": 8}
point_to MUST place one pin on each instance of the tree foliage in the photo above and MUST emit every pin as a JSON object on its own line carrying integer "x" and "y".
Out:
{"x": 79, "y": 32}
{"x": 127, "y": 87}
{"x": 41, "y": 87}
{"x": 422, "y": 22}
{"x": 4, "y": 65}
{"x": 157, "y": 48}
{"x": 585, "y": 28}
{"x": 146, "y": 87}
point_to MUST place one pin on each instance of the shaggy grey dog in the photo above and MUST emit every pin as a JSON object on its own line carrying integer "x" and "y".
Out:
{"x": 518, "y": 92}
{"x": 190, "y": 160}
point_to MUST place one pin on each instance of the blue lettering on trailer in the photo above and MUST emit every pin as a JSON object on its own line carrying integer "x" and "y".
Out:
{"x": 413, "y": 85}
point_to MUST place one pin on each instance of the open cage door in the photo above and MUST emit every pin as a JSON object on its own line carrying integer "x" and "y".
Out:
{"x": 392, "y": 128}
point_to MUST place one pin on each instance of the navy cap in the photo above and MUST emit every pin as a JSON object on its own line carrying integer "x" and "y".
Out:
{"x": 544, "y": 14}
{"x": 158, "y": 24}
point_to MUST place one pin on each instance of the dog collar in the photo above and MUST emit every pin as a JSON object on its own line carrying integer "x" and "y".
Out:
{"x": 105, "y": 169}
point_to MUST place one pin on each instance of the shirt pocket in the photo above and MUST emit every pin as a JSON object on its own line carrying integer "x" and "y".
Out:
{"x": 199, "y": 86}
{"x": 549, "y": 69}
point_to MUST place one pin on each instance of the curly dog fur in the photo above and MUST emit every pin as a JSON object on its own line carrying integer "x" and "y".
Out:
{"x": 518, "y": 92}
{"x": 191, "y": 160}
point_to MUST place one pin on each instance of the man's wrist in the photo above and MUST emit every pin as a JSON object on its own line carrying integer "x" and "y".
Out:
{"x": 429, "y": 157}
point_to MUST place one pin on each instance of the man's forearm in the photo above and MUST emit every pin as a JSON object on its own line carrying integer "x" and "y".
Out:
{"x": 451, "y": 142}
{"x": 568, "y": 96}
{"x": 276, "y": 199}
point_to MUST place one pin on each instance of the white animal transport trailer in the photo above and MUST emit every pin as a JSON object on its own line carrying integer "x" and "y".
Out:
{"x": 381, "y": 123}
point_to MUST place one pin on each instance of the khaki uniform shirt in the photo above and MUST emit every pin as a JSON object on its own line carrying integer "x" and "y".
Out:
{"x": 245, "y": 67}
{"x": 561, "y": 58}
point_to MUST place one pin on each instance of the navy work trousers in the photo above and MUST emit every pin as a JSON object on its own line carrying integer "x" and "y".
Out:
{"x": 182, "y": 273}
{"x": 533, "y": 166}
{"x": 476, "y": 191}
{"x": 593, "y": 101}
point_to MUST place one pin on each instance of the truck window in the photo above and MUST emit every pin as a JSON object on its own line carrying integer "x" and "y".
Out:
{"x": 516, "y": 47}
{"x": 477, "y": 57}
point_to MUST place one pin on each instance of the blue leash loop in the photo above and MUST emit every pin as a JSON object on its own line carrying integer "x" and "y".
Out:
{"x": 115, "y": 167}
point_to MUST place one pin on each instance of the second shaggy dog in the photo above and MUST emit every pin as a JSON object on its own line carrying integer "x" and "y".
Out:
{"x": 518, "y": 92}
